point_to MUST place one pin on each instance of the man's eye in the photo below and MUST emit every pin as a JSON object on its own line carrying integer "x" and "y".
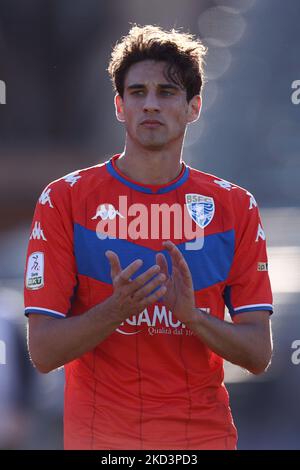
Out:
{"x": 167, "y": 92}
{"x": 137, "y": 92}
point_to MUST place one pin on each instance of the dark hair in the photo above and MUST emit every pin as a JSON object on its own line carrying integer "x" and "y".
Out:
{"x": 183, "y": 53}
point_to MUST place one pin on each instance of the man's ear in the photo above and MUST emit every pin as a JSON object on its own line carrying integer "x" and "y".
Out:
{"x": 194, "y": 108}
{"x": 119, "y": 108}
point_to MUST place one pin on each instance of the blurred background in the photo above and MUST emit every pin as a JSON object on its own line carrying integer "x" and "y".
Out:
{"x": 56, "y": 115}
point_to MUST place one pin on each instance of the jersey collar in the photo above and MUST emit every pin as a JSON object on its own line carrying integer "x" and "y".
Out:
{"x": 147, "y": 188}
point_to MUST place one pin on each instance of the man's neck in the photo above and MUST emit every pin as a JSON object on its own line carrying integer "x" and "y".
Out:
{"x": 150, "y": 167}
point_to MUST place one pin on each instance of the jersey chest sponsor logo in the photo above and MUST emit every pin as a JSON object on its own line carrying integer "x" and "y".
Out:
{"x": 158, "y": 321}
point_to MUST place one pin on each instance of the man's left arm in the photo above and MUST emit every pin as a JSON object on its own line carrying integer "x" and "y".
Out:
{"x": 247, "y": 342}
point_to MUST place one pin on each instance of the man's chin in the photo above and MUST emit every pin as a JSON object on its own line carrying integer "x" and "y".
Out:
{"x": 153, "y": 145}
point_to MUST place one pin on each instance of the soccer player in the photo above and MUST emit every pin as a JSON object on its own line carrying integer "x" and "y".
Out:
{"x": 131, "y": 263}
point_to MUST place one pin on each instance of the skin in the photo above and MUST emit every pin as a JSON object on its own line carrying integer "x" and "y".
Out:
{"x": 155, "y": 114}
{"x": 159, "y": 147}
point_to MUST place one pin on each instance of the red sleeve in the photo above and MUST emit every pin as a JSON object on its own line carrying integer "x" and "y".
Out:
{"x": 50, "y": 277}
{"x": 248, "y": 286}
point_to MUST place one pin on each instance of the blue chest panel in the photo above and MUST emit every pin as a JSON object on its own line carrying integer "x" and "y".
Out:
{"x": 209, "y": 265}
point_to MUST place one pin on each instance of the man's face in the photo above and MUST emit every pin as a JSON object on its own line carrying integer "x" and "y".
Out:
{"x": 154, "y": 109}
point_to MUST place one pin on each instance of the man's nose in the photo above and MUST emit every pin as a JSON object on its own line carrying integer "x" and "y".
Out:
{"x": 151, "y": 102}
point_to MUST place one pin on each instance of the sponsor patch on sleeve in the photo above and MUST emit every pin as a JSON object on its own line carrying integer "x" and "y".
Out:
{"x": 35, "y": 271}
{"x": 262, "y": 266}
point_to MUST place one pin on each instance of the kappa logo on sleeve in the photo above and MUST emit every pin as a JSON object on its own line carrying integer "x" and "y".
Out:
{"x": 252, "y": 201}
{"x": 35, "y": 271}
{"x": 72, "y": 178}
{"x": 45, "y": 197}
{"x": 224, "y": 184}
{"x": 260, "y": 233}
{"x": 37, "y": 232}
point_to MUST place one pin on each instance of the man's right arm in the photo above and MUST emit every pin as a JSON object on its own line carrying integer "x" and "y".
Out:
{"x": 54, "y": 338}
{"x": 54, "y": 342}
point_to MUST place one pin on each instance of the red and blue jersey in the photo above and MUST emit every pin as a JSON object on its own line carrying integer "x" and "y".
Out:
{"x": 152, "y": 384}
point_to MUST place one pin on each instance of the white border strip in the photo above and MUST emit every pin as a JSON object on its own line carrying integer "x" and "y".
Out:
{"x": 253, "y": 305}
{"x": 45, "y": 310}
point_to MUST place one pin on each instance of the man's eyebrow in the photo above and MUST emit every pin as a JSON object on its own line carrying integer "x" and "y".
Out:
{"x": 135, "y": 85}
{"x": 171, "y": 86}
{"x": 163, "y": 86}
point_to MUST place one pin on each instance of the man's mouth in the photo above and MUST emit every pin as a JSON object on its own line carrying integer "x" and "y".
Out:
{"x": 151, "y": 123}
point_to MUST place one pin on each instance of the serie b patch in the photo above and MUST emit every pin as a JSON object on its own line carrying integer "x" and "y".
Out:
{"x": 35, "y": 271}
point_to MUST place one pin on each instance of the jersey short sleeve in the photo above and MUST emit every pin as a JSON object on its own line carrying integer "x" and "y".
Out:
{"x": 50, "y": 276}
{"x": 248, "y": 286}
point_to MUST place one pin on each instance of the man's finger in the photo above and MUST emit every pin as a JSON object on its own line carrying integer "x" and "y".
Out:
{"x": 115, "y": 265}
{"x": 150, "y": 287}
{"x": 162, "y": 263}
{"x": 126, "y": 274}
{"x": 178, "y": 261}
{"x": 155, "y": 297}
{"x": 143, "y": 278}
{"x": 174, "y": 252}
